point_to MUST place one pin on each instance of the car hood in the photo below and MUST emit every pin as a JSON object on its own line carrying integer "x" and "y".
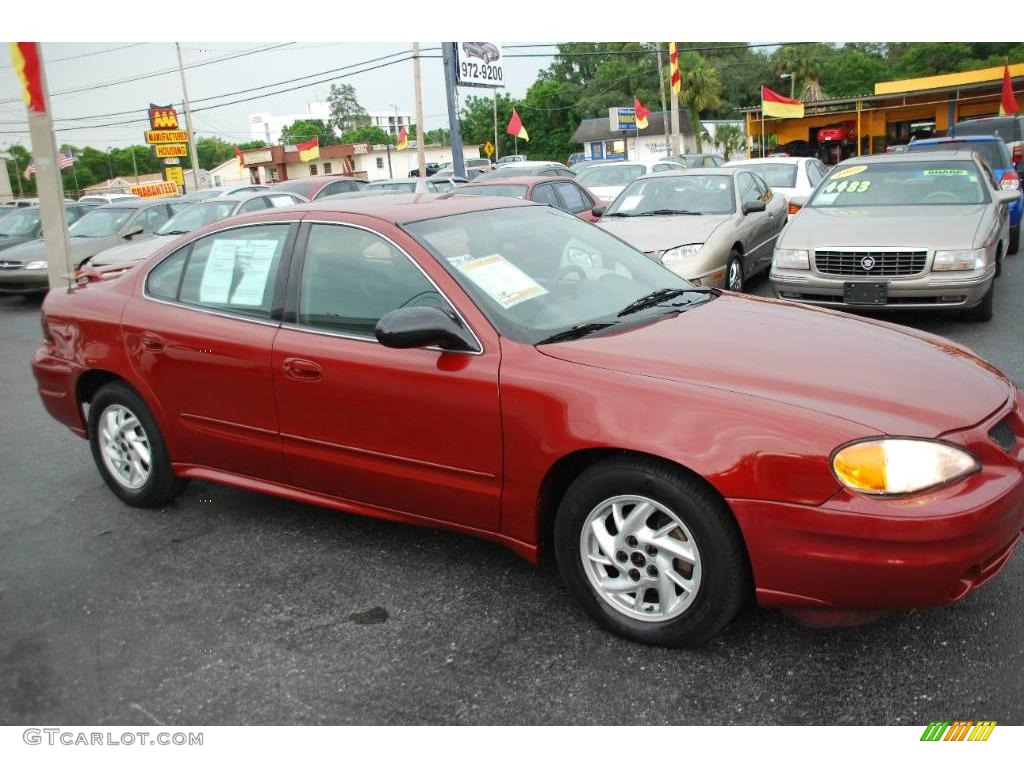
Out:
{"x": 13, "y": 240}
{"x": 890, "y": 379}
{"x": 659, "y": 233}
{"x": 81, "y": 248}
{"x": 926, "y": 227}
{"x": 131, "y": 251}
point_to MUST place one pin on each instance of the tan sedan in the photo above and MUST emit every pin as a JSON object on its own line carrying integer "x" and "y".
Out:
{"x": 713, "y": 226}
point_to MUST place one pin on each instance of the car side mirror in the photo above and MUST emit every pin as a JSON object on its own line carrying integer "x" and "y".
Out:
{"x": 413, "y": 327}
{"x": 136, "y": 230}
{"x": 1007, "y": 196}
{"x": 753, "y": 206}
{"x": 598, "y": 210}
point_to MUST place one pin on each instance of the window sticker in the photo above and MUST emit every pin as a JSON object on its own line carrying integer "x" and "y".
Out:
{"x": 251, "y": 258}
{"x": 502, "y": 280}
{"x": 945, "y": 172}
{"x": 847, "y": 172}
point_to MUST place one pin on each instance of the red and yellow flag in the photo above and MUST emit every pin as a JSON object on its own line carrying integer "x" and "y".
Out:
{"x": 673, "y": 62}
{"x": 776, "y": 105}
{"x": 309, "y": 150}
{"x": 25, "y": 57}
{"x": 641, "y": 113}
{"x": 239, "y": 157}
{"x": 403, "y": 140}
{"x": 1008, "y": 103}
{"x": 516, "y": 127}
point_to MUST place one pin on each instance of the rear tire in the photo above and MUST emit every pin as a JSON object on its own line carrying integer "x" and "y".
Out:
{"x": 981, "y": 312}
{"x": 675, "y": 539}
{"x": 128, "y": 449}
{"x": 1014, "y": 240}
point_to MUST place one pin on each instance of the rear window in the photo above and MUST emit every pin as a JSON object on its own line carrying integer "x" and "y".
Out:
{"x": 304, "y": 188}
{"x": 994, "y": 153}
{"x": 495, "y": 190}
{"x": 775, "y": 174}
{"x": 1006, "y": 128}
{"x": 614, "y": 175}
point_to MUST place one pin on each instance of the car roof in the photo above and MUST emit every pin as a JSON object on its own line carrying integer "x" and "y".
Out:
{"x": 319, "y": 181}
{"x": 718, "y": 171}
{"x": 775, "y": 160}
{"x": 408, "y": 207}
{"x": 519, "y": 180}
{"x": 908, "y": 157}
{"x": 947, "y": 139}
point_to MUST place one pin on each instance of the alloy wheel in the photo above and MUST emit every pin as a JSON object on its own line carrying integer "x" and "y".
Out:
{"x": 124, "y": 446}
{"x": 640, "y": 558}
{"x": 735, "y": 276}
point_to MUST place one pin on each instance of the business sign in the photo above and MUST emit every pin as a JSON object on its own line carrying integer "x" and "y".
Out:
{"x": 174, "y": 174}
{"x": 621, "y": 119}
{"x": 479, "y": 65}
{"x": 162, "y": 118}
{"x": 170, "y": 150}
{"x": 257, "y": 156}
{"x": 158, "y": 189}
{"x": 166, "y": 137}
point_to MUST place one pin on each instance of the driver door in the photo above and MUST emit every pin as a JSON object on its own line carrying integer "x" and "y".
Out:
{"x": 411, "y": 430}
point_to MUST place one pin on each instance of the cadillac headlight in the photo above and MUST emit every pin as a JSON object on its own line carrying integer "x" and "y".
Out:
{"x": 786, "y": 258}
{"x": 899, "y": 465}
{"x": 35, "y": 265}
{"x": 948, "y": 261}
{"x": 675, "y": 257}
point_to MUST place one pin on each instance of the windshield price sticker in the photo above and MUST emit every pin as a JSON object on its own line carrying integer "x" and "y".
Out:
{"x": 251, "y": 259}
{"x": 835, "y": 188}
{"x": 847, "y": 172}
{"x": 502, "y": 280}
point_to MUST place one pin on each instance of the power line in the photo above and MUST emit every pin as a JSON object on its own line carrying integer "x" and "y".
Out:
{"x": 85, "y": 55}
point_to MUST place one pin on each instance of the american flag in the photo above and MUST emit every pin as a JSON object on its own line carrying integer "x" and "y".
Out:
{"x": 29, "y": 169}
{"x": 64, "y": 160}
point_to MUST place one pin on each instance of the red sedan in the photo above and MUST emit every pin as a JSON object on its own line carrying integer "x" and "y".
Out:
{"x": 558, "y": 192}
{"x": 503, "y": 369}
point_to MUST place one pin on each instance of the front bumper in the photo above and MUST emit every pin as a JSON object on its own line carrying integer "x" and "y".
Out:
{"x": 24, "y": 281}
{"x": 929, "y": 290}
{"x": 856, "y": 552}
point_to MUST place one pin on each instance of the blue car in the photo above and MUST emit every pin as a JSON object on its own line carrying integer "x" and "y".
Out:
{"x": 996, "y": 155}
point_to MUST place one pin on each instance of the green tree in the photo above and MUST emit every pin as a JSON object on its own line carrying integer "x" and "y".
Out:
{"x": 368, "y": 134}
{"x": 213, "y": 151}
{"x": 346, "y": 111}
{"x": 806, "y": 63}
{"x": 304, "y": 130}
{"x": 701, "y": 90}
{"x": 729, "y": 138}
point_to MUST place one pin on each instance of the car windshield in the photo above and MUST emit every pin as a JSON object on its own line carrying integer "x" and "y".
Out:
{"x": 494, "y": 190}
{"x": 103, "y": 222}
{"x": 198, "y": 215}
{"x": 946, "y": 182}
{"x": 610, "y": 175}
{"x": 994, "y": 153}
{"x": 774, "y": 174}
{"x": 539, "y": 273}
{"x": 20, "y": 223}
{"x": 402, "y": 186}
{"x": 1006, "y": 128}
{"x": 676, "y": 193}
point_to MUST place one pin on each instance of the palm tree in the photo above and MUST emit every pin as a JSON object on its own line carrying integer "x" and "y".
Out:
{"x": 806, "y": 64}
{"x": 701, "y": 90}
{"x": 731, "y": 138}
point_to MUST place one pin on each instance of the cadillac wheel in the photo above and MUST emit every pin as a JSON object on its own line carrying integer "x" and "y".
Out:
{"x": 651, "y": 551}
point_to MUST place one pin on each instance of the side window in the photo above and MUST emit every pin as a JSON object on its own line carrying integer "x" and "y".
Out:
{"x": 334, "y": 188}
{"x": 163, "y": 281}
{"x": 571, "y": 197}
{"x": 151, "y": 219}
{"x": 812, "y": 174}
{"x": 256, "y": 204}
{"x": 543, "y": 193}
{"x": 235, "y": 270}
{"x": 764, "y": 191}
{"x": 659, "y": 167}
{"x": 548, "y": 172}
{"x": 351, "y": 278}
{"x": 748, "y": 190}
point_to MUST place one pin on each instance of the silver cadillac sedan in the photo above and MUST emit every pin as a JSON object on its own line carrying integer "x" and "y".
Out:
{"x": 712, "y": 226}
{"x": 898, "y": 232}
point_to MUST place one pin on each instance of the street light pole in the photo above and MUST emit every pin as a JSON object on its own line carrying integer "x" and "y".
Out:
{"x": 792, "y": 82}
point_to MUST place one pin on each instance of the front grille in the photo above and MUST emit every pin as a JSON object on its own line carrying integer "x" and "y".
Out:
{"x": 1002, "y": 435}
{"x": 870, "y": 263}
{"x": 10, "y": 264}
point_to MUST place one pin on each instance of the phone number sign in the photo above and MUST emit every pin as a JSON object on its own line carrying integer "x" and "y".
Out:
{"x": 479, "y": 65}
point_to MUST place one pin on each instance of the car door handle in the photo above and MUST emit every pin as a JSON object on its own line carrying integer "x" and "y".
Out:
{"x": 302, "y": 370}
{"x": 152, "y": 342}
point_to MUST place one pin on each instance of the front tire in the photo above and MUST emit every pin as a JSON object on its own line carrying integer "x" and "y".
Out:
{"x": 128, "y": 449}
{"x": 734, "y": 272}
{"x": 651, "y": 552}
{"x": 1014, "y": 245}
{"x": 982, "y": 311}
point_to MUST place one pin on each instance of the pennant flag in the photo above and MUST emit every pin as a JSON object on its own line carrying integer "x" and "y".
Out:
{"x": 309, "y": 150}
{"x": 65, "y": 159}
{"x": 25, "y": 57}
{"x": 673, "y": 61}
{"x": 641, "y": 114}
{"x": 1008, "y": 105}
{"x": 240, "y": 157}
{"x": 776, "y": 105}
{"x": 403, "y": 140}
{"x": 516, "y": 127}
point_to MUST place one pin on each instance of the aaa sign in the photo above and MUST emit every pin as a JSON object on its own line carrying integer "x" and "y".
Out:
{"x": 159, "y": 189}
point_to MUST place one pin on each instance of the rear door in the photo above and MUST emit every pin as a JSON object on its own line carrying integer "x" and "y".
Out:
{"x": 412, "y": 430}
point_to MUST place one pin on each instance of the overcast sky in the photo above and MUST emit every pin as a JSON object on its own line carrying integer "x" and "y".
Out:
{"x": 375, "y": 89}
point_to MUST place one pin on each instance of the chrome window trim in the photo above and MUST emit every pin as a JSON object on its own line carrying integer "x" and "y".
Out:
{"x": 298, "y": 327}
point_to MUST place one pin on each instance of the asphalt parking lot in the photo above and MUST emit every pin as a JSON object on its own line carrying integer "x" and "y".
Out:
{"x": 235, "y": 608}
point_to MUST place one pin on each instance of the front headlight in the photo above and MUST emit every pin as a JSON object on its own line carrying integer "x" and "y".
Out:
{"x": 35, "y": 265}
{"x": 900, "y": 465}
{"x": 786, "y": 258}
{"x": 675, "y": 257}
{"x": 947, "y": 261}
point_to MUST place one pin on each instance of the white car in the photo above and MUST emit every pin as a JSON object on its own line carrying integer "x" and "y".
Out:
{"x": 607, "y": 180}
{"x": 107, "y": 199}
{"x": 787, "y": 176}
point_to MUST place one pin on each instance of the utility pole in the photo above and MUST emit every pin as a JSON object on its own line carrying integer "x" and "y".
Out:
{"x": 496, "y": 155}
{"x": 664, "y": 109}
{"x": 450, "y": 78}
{"x": 417, "y": 81}
{"x": 188, "y": 121}
{"x": 49, "y": 184}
